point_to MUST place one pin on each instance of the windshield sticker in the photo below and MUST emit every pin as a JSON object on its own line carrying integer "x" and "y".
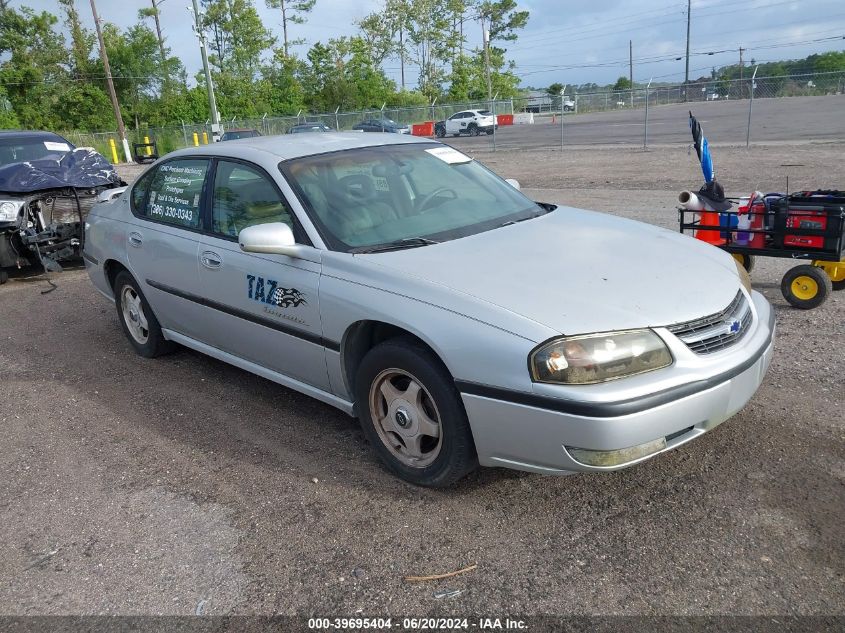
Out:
{"x": 54, "y": 146}
{"x": 449, "y": 155}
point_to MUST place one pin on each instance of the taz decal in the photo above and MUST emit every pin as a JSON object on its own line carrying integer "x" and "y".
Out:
{"x": 269, "y": 291}
{"x": 287, "y": 298}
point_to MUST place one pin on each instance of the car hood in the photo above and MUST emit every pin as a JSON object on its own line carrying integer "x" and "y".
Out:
{"x": 577, "y": 271}
{"x": 81, "y": 168}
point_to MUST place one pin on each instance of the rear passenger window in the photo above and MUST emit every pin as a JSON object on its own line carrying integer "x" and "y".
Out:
{"x": 244, "y": 197}
{"x": 139, "y": 191}
{"x": 176, "y": 193}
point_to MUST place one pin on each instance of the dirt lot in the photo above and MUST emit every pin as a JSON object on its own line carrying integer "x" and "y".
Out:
{"x": 183, "y": 485}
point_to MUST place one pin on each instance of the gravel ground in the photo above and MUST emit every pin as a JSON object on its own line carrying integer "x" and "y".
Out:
{"x": 183, "y": 485}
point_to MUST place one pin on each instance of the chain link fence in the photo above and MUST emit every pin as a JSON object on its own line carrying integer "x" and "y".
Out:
{"x": 170, "y": 138}
{"x": 810, "y": 84}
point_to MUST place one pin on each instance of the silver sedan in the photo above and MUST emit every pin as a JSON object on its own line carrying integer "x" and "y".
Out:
{"x": 404, "y": 283}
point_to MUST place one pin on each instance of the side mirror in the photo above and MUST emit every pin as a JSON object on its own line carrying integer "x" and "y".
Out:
{"x": 513, "y": 183}
{"x": 274, "y": 238}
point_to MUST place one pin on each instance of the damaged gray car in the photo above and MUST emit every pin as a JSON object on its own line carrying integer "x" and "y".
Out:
{"x": 47, "y": 187}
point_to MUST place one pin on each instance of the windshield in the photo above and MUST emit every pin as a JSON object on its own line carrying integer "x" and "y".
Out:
{"x": 379, "y": 195}
{"x": 235, "y": 135}
{"x": 18, "y": 150}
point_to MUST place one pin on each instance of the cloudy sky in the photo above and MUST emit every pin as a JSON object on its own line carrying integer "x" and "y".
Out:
{"x": 568, "y": 41}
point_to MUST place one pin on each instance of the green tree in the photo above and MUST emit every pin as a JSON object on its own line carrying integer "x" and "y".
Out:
{"x": 623, "y": 83}
{"x": 431, "y": 41}
{"x": 555, "y": 89}
{"x": 82, "y": 40}
{"x": 504, "y": 19}
{"x": 33, "y": 69}
{"x": 238, "y": 36}
{"x": 293, "y": 12}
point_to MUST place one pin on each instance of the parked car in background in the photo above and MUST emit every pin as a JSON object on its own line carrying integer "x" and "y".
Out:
{"x": 47, "y": 187}
{"x": 237, "y": 134}
{"x": 568, "y": 105}
{"x": 301, "y": 128}
{"x": 404, "y": 283}
{"x": 472, "y": 122}
{"x": 381, "y": 125}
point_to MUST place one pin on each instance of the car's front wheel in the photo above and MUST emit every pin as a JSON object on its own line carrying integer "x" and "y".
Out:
{"x": 137, "y": 319}
{"x": 412, "y": 414}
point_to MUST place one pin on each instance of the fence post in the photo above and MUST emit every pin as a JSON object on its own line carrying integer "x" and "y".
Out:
{"x": 184, "y": 132}
{"x": 750, "y": 106}
{"x": 562, "y": 97}
{"x": 645, "y": 127}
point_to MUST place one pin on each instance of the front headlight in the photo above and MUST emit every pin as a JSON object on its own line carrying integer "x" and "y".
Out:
{"x": 744, "y": 277}
{"x": 592, "y": 358}
{"x": 9, "y": 210}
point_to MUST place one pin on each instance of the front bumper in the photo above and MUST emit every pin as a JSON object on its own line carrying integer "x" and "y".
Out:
{"x": 517, "y": 433}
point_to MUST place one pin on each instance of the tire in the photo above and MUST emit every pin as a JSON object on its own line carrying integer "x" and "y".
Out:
{"x": 838, "y": 285}
{"x": 747, "y": 261}
{"x": 473, "y": 130}
{"x": 805, "y": 286}
{"x": 148, "y": 342}
{"x": 489, "y": 132}
{"x": 439, "y": 132}
{"x": 384, "y": 387}
{"x": 4, "y": 277}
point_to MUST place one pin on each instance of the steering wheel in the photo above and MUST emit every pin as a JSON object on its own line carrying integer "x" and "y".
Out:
{"x": 423, "y": 202}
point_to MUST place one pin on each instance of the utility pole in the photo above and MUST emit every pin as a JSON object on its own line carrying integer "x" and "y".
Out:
{"x": 631, "y": 69}
{"x": 486, "y": 33}
{"x": 156, "y": 4}
{"x": 686, "y": 71}
{"x": 121, "y": 130}
{"x": 212, "y": 102}
{"x": 402, "y": 57}
{"x": 741, "y": 72}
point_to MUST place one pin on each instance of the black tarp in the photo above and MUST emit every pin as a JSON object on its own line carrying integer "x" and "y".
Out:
{"x": 81, "y": 169}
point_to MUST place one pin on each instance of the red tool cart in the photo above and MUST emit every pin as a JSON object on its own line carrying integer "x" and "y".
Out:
{"x": 809, "y": 225}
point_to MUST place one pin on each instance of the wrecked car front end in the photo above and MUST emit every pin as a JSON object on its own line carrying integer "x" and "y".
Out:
{"x": 43, "y": 205}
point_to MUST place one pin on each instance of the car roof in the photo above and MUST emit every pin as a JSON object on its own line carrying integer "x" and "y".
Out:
{"x": 287, "y": 146}
{"x": 35, "y": 135}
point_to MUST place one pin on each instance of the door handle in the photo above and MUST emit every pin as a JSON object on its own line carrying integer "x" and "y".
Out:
{"x": 135, "y": 239}
{"x": 210, "y": 259}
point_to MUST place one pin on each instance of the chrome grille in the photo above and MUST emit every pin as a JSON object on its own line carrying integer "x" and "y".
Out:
{"x": 718, "y": 331}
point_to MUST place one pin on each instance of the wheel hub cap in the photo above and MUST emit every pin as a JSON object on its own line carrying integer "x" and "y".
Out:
{"x": 402, "y": 418}
{"x": 405, "y": 417}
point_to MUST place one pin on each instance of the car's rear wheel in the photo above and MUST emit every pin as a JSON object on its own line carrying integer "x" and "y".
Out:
{"x": 137, "y": 319}
{"x": 412, "y": 414}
